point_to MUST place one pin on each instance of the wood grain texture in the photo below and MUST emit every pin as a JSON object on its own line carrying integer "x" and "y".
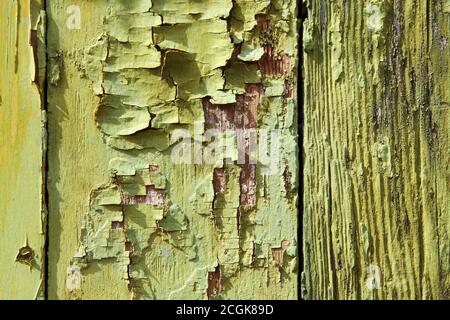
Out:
{"x": 376, "y": 214}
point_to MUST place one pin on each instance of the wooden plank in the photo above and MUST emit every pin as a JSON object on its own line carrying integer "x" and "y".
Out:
{"x": 376, "y": 215}
{"x": 22, "y": 214}
{"x": 125, "y": 219}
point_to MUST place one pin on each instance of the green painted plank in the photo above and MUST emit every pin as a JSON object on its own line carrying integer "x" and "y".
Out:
{"x": 22, "y": 214}
{"x": 127, "y": 219}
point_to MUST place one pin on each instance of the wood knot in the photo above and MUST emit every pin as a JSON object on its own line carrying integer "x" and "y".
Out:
{"x": 25, "y": 256}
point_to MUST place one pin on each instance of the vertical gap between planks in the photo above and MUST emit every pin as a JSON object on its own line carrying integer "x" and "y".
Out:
{"x": 301, "y": 16}
{"x": 45, "y": 159}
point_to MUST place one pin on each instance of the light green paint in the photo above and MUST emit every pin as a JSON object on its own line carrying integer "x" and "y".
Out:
{"x": 130, "y": 81}
{"x": 22, "y": 209}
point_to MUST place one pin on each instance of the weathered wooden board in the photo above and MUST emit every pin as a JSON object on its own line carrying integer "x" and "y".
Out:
{"x": 376, "y": 201}
{"x": 139, "y": 205}
{"x": 126, "y": 219}
{"x": 22, "y": 214}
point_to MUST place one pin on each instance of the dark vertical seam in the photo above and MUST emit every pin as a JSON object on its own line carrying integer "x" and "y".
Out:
{"x": 301, "y": 17}
{"x": 45, "y": 156}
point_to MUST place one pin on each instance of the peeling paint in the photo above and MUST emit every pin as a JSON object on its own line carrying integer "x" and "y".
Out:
{"x": 176, "y": 230}
{"x": 374, "y": 17}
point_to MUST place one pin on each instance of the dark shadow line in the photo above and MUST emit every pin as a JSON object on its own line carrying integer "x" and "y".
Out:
{"x": 45, "y": 160}
{"x": 302, "y": 15}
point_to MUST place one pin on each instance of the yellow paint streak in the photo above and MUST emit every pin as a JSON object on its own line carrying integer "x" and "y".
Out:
{"x": 20, "y": 155}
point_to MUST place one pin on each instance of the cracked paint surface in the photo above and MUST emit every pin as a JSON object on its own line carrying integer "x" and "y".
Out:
{"x": 142, "y": 226}
{"x": 126, "y": 221}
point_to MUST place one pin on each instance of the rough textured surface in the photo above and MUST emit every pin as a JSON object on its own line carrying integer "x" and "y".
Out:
{"x": 376, "y": 214}
{"x": 124, "y": 90}
{"x": 127, "y": 81}
{"x": 22, "y": 214}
